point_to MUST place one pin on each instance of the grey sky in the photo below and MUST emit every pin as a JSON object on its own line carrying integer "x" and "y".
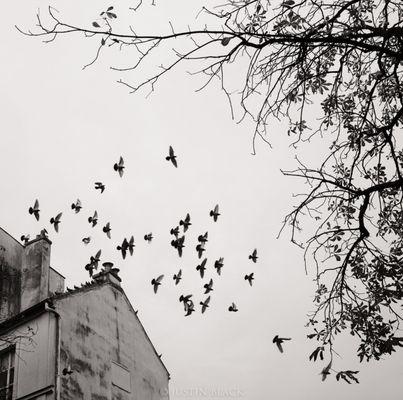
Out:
{"x": 63, "y": 128}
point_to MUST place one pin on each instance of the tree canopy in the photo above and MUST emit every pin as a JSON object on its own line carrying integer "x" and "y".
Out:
{"x": 344, "y": 60}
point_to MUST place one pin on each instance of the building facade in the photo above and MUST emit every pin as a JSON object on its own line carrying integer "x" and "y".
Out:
{"x": 84, "y": 343}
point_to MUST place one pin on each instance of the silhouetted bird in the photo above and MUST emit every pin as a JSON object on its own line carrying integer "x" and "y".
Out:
{"x": 100, "y": 186}
{"x": 180, "y": 245}
{"x": 35, "y": 210}
{"x": 177, "y": 277}
{"x": 189, "y": 308}
{"x": 156, "y": 283}
{"x": 94, "y": 219}
{"x": 148, "y": 237}
{"x": 131, "y": 245}
{"x": 76, "y": 206}
{"x": 326, "y": 371}
{"x": 200, "y": 248}
{"x": 233, "y": 308}
{"x": 214, "y": 213}
{"x": 249, "y": 278}
{"x": 25, "y": 238}
{"x": 208, "y": 287}
{"x": 185, "y": 299}
{"x": 278, "y": 341}
{"x": 172, "y": 157}
{"x": 203, "y": 238}
{"x": 175, "y": 231}
{"x": 219, "y": 264}
{"x": 119, "y": 166}
{"x": 204, "y": 304}
{"x": 55, "y": 221}
{"x": 67, "y": 370}
{"x": 86, "y": 240}
{"x": 185, "y": 223}
{"x": 96, "y": 259}
{"x": 107, "y": 229}
{"x": 253, "y": 256}
{"x": 202, "y": 267}
{"x": 123, "y": 248}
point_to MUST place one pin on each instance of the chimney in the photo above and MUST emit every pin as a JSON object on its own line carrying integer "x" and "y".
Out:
{"x": 108, "y": 274}
{"x": 35, "y": 271}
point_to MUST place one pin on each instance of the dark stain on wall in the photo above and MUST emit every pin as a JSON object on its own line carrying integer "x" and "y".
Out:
{"x": 72, "y": 389}
{"x": 83, "y": 330}
{"x": 95, "y": 396}
{"x": 10, "y": 284}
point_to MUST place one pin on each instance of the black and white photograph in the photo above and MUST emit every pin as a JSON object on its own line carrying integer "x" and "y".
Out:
{"x": 201, "y": 200}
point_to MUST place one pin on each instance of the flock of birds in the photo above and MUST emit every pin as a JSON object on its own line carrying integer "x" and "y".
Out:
{"x": 177, "y": 242}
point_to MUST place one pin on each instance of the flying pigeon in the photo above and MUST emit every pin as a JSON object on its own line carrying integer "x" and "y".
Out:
{"x": 156, "y": 283}
{"x": 96, "y": 259}
{"x": 25, "y": 238}
{"x": 203, "y": 238}
{"x": 202, "y": 267}
{"x": 219, "y": 264}
{"x": 249, "y": 278}
{"x": 175, "y": 231}
{"x": 123, "y": 248}
{"x": 86, "y": 240}
{"x": 186, "y": 222}
{"x": 214, "y": 213}
{"x": 172, "y": 157}
{"x": 179, "y": 244}
{"x": 55, "y": 221}
{"x": 94, "y": 219}
{"x": 185, "y": 299}
{"x": 326, "y": 371}
{"x": 233, "y": 308}
{"x": 278, "y": 340}
{"x": 148, "y": 237}
{"x": 189, "y": 308}
{"x": 119, "y": 166}
{"x": 100, "y": 186}
{"x": 177, "y": 277}
{"x": 35, "y": 210}
{"x": 204, "y": 304}
{"x": 107, "y": 229}
{"x": 131, "y": 245}
{"x": 76, "y": 206}
{"x": 200, "y": 248}
{"x": 208, "y": 287}
{"x": 253, "y": 256}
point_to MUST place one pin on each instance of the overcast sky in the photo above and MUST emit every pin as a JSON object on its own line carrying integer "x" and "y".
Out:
{"x": 63, "y": 128}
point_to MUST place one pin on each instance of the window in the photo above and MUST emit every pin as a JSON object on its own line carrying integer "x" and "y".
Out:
{"x": 7, "y": 373}
{"x": 120, "y": 377}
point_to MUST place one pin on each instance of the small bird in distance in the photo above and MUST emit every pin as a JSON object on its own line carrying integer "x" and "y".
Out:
{"x": 233, "y": 308}
{"x": 148, "y": 237}
{"x": 278, "y": 341}
{"x": 177, "y": 277}
{"x": 25, "y": 238}
{"x": 205, "y": 304}
{"x": 119, "y": 167}
{"x": 249, "y": 278}
{"x": 99, "y": 186}
{"x": 215, "y": 213}
{"x": 76, "y": 206}
{"x": 172, "y": 157}
{"x": 86, "y": 240}
{"x": 253, "y": 256}
{"x": 107, "y": 229}
{"x": 157, "y": 282}
{"x": 35, "y": 210}
{"x": 94, "y": 219}
{"x": 185, "y": 222}
{"x": 55, "y": 221}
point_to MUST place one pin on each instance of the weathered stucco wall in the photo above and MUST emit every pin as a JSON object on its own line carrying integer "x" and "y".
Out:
{"x": 11, "y": 253}
{"x": 35, "y": 272}
{"x": 56, "y": 281}
{"x": 35, "y": 360}
{"x": 100, "y": 327}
